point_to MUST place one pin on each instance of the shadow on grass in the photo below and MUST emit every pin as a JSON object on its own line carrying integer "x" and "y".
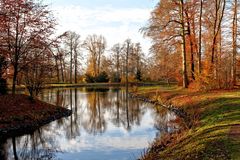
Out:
{"x": 209, "y": 140}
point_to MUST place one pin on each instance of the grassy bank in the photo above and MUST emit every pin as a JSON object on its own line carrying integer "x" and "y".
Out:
{"x": 70, "y": 85}
{"x": 215, "y": 115}
{"x": 19, "y": 114}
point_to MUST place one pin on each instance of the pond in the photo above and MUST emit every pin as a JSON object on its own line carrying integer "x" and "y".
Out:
{"x": 105, "y": 124}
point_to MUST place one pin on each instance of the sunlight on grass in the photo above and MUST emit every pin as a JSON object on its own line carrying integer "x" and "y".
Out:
{"x": 219, "y": 113}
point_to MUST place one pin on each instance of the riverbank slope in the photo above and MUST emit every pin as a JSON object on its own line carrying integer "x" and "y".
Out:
{"x": 214, "y": 132}
{"x": 20, "y": 115}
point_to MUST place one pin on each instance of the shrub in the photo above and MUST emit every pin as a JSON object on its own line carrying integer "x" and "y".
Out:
{"x": 139, "y": 75}
{"x": 89, "y": 78}
{"x": 102, "y": 77}
{"x": 116, "y": 78}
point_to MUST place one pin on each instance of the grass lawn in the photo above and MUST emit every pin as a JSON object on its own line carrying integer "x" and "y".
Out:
{"x": 215, "y": 133}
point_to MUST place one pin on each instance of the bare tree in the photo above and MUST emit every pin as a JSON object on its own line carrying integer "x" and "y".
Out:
{"x": 35, "y": 74}
{"x": 127, "y": 43}
{"x": 95, "y": 45}
{"x": 117, "y": 49}
{"x": 73, "y": 43}
{"x": 26, "y": 25}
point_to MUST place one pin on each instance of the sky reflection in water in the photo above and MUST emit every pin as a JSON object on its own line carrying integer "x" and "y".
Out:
{"x": 105, "y": 124}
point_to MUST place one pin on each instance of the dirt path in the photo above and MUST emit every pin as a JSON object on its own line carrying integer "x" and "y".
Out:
{"x": 234, "y": 137}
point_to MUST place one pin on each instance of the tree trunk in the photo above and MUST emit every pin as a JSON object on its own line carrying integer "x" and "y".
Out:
{"x": 118, "y": 74}
{"x": 191, "y": 47}
{"x": 65, "y": 74}
{"x": 75, "y": 65}
{"x": 15, "y": 73}
{"x": 127, "y": 54}
{"x": 234, "y": 44}
{"x": 57, "y": 68}
{"x": 98, "y": 62}
{"x": 184, "y": 63}
{"x": 62, "y": 71}
{"x": 71, "y": 59}
{"x": 219, "y": 11}
{"x": 200, "y": 40}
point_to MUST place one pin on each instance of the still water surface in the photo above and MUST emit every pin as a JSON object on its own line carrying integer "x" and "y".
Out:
{"x": 105, "y": 125}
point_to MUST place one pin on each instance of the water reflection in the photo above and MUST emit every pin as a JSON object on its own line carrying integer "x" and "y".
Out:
{"x": 105, "y": 124}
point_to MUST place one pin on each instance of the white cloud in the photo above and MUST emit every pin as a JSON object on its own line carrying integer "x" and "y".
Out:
{"x": 115, "y": 24}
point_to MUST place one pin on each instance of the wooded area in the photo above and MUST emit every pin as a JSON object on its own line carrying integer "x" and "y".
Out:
{"x": 194, "y": 45}
{"x": 35, "y": 55}
{"x": 195, "y": 42}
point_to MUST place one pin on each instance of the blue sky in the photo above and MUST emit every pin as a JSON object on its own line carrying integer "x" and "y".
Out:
{"x": 117, "y": 20}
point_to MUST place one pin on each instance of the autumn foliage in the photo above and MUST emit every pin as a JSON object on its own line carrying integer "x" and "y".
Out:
{"x": 193, "y": 43}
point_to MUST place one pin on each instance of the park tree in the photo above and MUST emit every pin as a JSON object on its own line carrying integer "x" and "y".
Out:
{"x": 195, "y": 29}
{"x": 73, "y": 45}
{"x": 167, "y": 26}
{"x": 116, "y": 56}
{"x": 127, "y": 44}
{"x": 137, "y": 60}
{"x": 25, "y": 25}
{"x": 35, "y": 74}
{"x": 95, "y": 45}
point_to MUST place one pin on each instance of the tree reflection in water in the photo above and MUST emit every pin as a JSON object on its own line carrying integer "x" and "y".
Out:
{"x": 3, "y": 149}
{"x": 94, "y": 110}
{"x": 33, "y": 146}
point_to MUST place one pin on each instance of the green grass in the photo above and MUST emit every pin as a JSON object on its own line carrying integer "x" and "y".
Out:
{"x": 217, "y": 112}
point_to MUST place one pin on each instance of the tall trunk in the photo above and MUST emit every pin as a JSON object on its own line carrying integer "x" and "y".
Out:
{"x": 75, "y": 65}
{"x": 71, "y": 59}
{"x": 234, "y": 44}
{"x": 95, "y": 65}
{"x": 65, "y": 74}
{"x": 219, "y": 11}
{"x": 184, "y": 63}
{"x": 138, "y": 61}
{"x": 190, "y": 36}
{"x": 15, "y": 73}
{"x": 99, "y": 61}
{"x": 118, "y": 74}
{"x": 127, "y": 54}
{"x": 218, "y": 58}
{"x": 62, "y": 71}
{"x": 57, "y": 68}
{"x": 16, "y": 56}
{"x": 200, "y": 40}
